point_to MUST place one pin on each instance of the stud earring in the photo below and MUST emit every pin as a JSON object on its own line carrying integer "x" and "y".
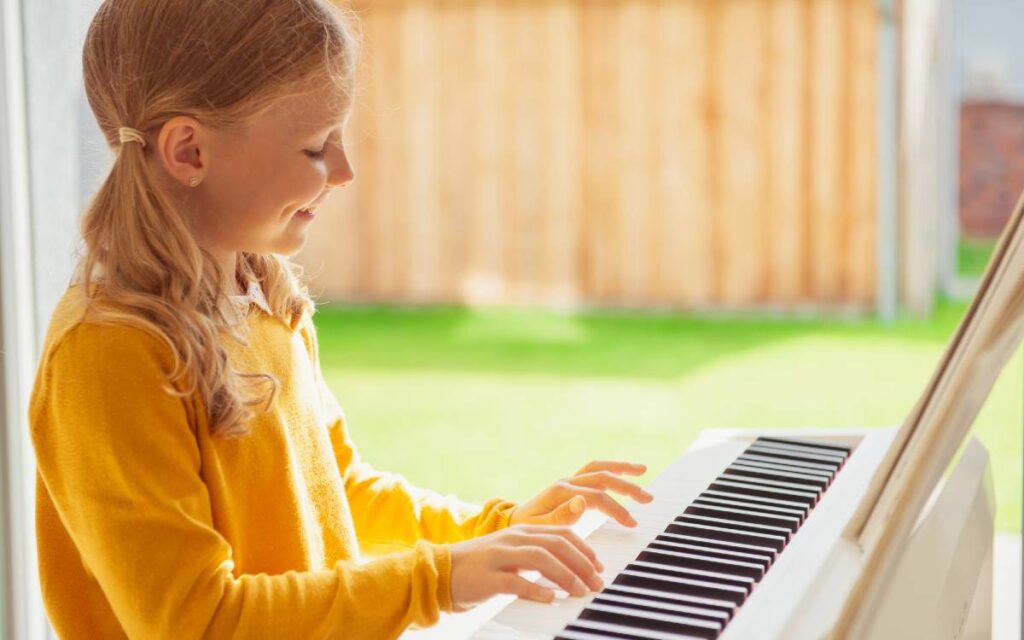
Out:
{"x": 194, "y": 181}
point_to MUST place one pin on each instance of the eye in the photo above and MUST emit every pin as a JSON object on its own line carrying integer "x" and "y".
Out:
{"x": 316, "y": 154}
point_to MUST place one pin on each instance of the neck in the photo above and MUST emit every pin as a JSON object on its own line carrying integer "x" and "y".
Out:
{"x": 227, "y": 262}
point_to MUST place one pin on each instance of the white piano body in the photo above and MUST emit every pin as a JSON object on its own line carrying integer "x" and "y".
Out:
{"x": 941, "y": 588}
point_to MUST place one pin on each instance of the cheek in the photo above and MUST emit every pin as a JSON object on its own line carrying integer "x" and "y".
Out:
{"x": 306, "y": 182}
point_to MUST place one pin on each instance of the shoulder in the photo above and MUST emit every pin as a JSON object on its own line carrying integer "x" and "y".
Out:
{"x": 93, "y": 370}
{"x": 74, "y": 336}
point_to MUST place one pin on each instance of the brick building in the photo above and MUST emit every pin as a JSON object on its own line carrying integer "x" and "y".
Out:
{"x": 991, "y": 164}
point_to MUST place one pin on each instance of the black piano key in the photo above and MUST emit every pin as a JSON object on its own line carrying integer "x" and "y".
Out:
{"x": 569, "y": 634}
{"x": 723, "y": 607}
{"x": 712, "y": 552}
{"x": 728, "y": 534}
{"x": 814, "y": 483}
{"x": 792, "y": 523}
{"x": 729, "y": 523}
{"x": 775, "y": 504}
{"x": 784, "y": 459}
{"x": 729, "y": 474}
{"x": 652, "y": 604}
{"x": 778, "y": 465}
{"x": 789, "y": 454}
{"x": 714, "y": 543}
{"x": 703, "y": 562}
{"x": 718, "y": 577}
{"x": 804, "y": 498}
{"x": 679, "y": 584}
{"x": 838, "y": 448}
{"x": 612, "y": 630}
{"x": 652, "y": 620}
{"x": 749, "y": 505}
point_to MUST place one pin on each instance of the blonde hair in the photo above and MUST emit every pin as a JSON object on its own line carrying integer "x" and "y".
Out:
{"x": 223, "y": 63}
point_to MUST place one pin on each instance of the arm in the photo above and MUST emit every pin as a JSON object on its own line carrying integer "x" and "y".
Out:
{"x": 386, "y": 509}
{"x": 120, "y": 461}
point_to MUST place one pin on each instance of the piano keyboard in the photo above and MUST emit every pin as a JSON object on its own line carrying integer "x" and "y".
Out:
{"x": 690, "y": 579}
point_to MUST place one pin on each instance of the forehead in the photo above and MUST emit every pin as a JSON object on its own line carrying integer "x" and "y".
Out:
{"x": 315, "y": 111}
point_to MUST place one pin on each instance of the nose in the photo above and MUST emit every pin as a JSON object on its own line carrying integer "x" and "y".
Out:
{"x": 340, "y": 170}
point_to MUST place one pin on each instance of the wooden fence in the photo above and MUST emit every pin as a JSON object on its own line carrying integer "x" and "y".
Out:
{"x": 688, "y": 153}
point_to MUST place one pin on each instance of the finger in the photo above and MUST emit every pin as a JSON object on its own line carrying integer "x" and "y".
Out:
{"x": 514, "y": 583}
{"x": 568, "y": 512}
{"x": 537, "y": 558}
{"x": 608, "y": 480}
{"x": 572, "y": 537}
{"x": 606, "y": 504}
{"x": 629, "y": 468}
{"x": 571, "y": 556}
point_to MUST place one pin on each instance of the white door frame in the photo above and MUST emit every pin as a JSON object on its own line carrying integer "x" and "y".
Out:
{"x": 21, "y": 607}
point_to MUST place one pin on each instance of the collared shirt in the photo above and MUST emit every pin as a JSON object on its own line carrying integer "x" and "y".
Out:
{"x": 253, "y": 296}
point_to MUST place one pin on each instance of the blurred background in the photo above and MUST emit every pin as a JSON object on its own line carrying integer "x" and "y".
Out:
{"x": 593, "y": 229}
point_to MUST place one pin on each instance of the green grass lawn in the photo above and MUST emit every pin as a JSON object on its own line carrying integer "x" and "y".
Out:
{"x": 501, "y": 402}
{"x": 972, "y": 255}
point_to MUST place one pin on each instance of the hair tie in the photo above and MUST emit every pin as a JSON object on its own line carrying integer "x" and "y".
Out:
{"x": 127, "y": 134}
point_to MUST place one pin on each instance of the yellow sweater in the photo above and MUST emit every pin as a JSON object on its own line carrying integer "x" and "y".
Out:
{"x": 149, "y": 527}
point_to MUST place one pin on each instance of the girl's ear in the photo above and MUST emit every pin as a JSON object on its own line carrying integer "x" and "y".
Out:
{"x": 179, "y": 148}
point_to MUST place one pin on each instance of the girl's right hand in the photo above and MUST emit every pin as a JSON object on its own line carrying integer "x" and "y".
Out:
{"x": 486, "y": 566}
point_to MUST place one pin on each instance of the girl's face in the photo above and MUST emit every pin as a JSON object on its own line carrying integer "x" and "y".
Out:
{"x": 258, "y": 181}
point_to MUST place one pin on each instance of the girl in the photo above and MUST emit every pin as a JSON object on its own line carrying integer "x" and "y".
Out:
{"x": 195, "y": 475}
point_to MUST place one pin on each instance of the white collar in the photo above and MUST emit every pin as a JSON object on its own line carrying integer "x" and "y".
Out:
{"x": 253, "y": 296}
{"x": 242, "y": 302}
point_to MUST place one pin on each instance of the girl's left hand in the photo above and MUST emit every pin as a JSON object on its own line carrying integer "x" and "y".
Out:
{"x": 564, "y": 501}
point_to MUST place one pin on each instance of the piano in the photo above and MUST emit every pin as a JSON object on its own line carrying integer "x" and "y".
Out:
{"x": 873, "y": 533}
{"x": 757, "y": 551}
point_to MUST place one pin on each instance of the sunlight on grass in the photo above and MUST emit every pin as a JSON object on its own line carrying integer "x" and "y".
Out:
{"x": 502, "y": 403}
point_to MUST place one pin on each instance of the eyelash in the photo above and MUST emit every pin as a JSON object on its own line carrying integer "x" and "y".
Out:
{"x": 316, "y": 154}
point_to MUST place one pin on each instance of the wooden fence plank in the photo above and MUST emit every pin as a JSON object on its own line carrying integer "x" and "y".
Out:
{"x": 787, "y": 161}
{"x": 739, "y": 86}
{"x": 827, "y": 146}
{"x": 685, "y": 272}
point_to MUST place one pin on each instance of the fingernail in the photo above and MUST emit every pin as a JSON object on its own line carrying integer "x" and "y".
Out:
{"x": 579, "y": 588}
{"x": 597, "y": 583}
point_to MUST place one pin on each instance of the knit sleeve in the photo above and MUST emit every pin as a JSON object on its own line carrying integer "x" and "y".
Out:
{"x": 119, "y": 458}
{"x": 386, "y": 509}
